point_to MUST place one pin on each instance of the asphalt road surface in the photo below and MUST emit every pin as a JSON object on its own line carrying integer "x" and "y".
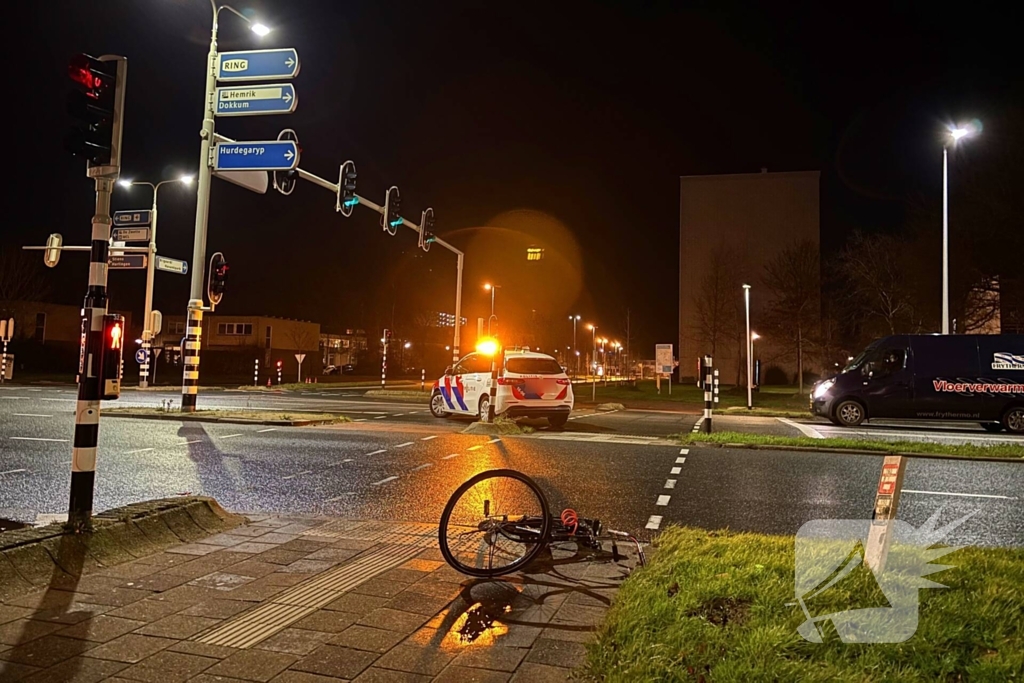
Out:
{"x": 398, "y": 462}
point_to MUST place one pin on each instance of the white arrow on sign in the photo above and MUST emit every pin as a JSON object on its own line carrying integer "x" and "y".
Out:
{"x": 289, "y": 62}
{"x": 288, "y": 155}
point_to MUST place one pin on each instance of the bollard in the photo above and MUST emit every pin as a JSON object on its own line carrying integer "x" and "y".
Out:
{"x": 708, "y": 394}
{"x": 256, "y": 373}
{"x": 423, "y": 379}
{"x": 716, "y": 387}
{"x": 268, "y": 382}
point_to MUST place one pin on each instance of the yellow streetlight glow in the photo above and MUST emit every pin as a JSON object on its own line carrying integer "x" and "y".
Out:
{"x": 260, "y": 29}
{"x": 487, "y": 286}
{"x": 487, "y": 346}
{"x": 754, "y": 335}
{"x": 186, "y": 179}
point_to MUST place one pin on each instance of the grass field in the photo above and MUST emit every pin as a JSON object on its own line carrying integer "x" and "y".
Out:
{"x": 712, "y": 606}
{"x": 773, "y": 397}
{"x": 1012, "y": 451}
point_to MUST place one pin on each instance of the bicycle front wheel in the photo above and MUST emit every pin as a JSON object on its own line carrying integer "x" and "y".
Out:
{"x": 494, "y": 524}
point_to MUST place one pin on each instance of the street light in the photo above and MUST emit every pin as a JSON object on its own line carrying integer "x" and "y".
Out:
{"x": 750, "y": 347}
{"x": 147, "y": 322}
{"x": 575, "y": 319}
{"x": 491, "y": 288}
{"x": 593, "y": 357}
{"x": 190, "y": 376}
{"x": 956, "y": 133}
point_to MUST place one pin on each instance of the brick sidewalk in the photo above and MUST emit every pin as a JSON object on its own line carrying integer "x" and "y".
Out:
{"x": 306, "y": 600}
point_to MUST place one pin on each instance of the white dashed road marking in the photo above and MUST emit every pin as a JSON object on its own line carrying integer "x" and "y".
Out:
{"x": 36, "y": 438}
{"x": 964, "y": 495}
{"x": 676, "y": 470}
{"x": 428, "y": 438}
{"x": 474, "y": 448}
{"x": 384, "y": 481}
{"x": 806, "y": 430}
{"x": 230, "y": 436}
{"x": 263, "y": 431}
{"x": 13, "y": 471}
{"x": 680, "y": 460}
{"x": 30, "y": 415}
{"x": 654, "y": 522}
{"x": 344, "y": 495}
{"x": 362, "y": 419}
{"x": 422, "y": 467}
{"x": 141, "y": 450}
{"x": 663, "y": 500}
{"x": 684, "y": 451}
{"x": 403, "y": 445}
{"x": 377, "y": 452}
{"x": 670, "y": 483}
{"x": 297, "y": 474}
{"x": 449, "y": 457}
{"x": 494, "y": 441}
{"x": 380, "y": 417}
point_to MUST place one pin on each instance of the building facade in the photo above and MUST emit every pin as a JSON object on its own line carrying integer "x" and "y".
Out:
{"x": 341, "y": 347}
{"x": 730, "y": 227}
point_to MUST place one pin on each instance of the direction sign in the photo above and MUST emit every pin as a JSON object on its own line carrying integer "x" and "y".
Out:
{"x": 141, "y": 356}
{"x": 256, "y": 99}
{"x": 171, "y": 265}
{"x": 126, "y": 219}
{"x": 131, "y": 234}
{"x": 258, "y": 65}
{"x": 265, "y": 155}
{"x": 127, "y": 261}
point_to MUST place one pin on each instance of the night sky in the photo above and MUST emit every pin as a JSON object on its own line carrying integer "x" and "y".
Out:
{"x": 583, "y": 113}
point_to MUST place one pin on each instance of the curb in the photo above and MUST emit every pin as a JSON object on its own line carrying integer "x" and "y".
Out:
{"x": 184, "y": 417}
{"x": 49, "y": 556}
{"x": 850, "y": 451}
{"x": 424, "y": 396}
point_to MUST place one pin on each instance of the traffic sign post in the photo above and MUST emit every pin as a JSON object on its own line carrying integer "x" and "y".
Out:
{"x": 131, "y": 234}
{"x": 256, "y": 100}
{"x": 300, "y": 357}
{"x": 127, "y": 261}
{"x": 264, "y": 155}
{"x": 142, "y": 356}
{"x": 171, "y": 265}
{"x": 257, "y": 65}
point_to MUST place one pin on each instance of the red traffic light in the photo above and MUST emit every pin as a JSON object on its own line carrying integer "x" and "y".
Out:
{"x": 91, "y": 74}
{"x": 279, "y": 363}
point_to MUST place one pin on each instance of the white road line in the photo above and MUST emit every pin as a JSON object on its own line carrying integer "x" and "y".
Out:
{"x": 36, "y": 438}
{"x": 494, "y": 441}
{"x": 30, "y": 415}
{"x": 384, "y": 481}
{"x": 35, "y": 389}
{"x": 680, "y": 460}
{"x": 428, "y": 438}
{"x": 804, "y": 429}
{"x": 684, "y": 451}
{"x": 268, "y": 429}
{"x": 475, "y": 448}
{"x": 398, "y": 415}
{"x": 663, "y": 500}
{"x": 380, "y": 417}
{"x": 964, "y": 495}
{"x": 676, "y": 470}
{"x": 403, "y": 445}
{"x": 230, "y": 436}
{"x": 297, "y": 474}
{"x": 670, "y": 483}
{"x": 449, "y": 457}
{"x": 340, "y": 462}
{"x": 17, "y": 398}
{"x": 344, "y": 495}
{"x": 654, "y": 522}
{"x": 141, "y": 450}
{"x": 72, "y": 400}
{"x": 377, "y": 452}
{"x": 362, "y": 419}
{"x": 13, "y": 471}
{"x": 189, "y": 443}
{"x": 422, "y": 467}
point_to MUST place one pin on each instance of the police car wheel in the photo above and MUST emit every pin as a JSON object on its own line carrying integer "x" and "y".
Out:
{"x": 485, "y": 404}
{"x": 850, "y": 413}
{"x": 1014, "y": 420}
{"x": 437, "y": 407}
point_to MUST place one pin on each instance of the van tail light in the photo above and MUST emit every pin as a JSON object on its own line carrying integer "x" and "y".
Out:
{"x": 563, "y": 382}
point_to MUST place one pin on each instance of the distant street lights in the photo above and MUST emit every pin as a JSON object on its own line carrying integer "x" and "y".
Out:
{"x": 491, "y": 288}
{"x": 955, "y": 134}
{"x": 750, "y": 348}
{"x": 147, "y": 323}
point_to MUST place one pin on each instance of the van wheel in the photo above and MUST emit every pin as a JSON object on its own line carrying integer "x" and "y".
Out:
{"x": 992, "y": 426}
{"x": 850, "y": 413}
{"x": 437, "y": 406}
{"x": 1013, "y": 421}
{"x": 485, "y": 404}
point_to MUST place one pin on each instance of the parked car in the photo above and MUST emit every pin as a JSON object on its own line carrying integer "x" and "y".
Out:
{"x": 930, "y": 377}
{"x": 530, "y": 384}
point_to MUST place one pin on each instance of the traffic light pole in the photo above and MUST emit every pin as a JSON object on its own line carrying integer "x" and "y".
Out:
{"x": 194, "y": 324}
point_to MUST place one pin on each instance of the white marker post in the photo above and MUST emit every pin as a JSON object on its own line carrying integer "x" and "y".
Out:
{"x": 300, "y": 357}
{"x": 886, "y": 502}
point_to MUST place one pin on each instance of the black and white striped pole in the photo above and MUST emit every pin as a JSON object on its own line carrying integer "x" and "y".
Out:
{"x": 716, "y": 387}
{"x": 6, "y": 333}
{"x": 384, "y": 359}
{"x": 708, "y": 394}
{"x": 423, "y": 379}
{"x": 256, "y": 373}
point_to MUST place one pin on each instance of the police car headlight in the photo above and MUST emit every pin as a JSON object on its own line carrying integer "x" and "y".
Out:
{"x": 823, "y": 388}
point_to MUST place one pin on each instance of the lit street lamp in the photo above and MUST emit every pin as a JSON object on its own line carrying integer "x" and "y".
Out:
{"x": 147, "y": 322}
{"x": 190, "y": 376}
{"x": 593, "y": 358}
{"x": 750, "y": 348}
{"x": 491, "y": 288}
{"x": 955, "y": 134}
{"x": 575, "y": 319}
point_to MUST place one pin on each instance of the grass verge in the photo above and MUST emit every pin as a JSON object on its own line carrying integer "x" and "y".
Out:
{"x": 1009, "y": 451}
{"x": 712, "y": 606}
{"x": 223, "y": 414}
{"x": 779, "y": 398}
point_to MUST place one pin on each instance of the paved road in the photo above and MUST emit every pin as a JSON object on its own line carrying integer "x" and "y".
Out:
{"x": 403, "y": 464}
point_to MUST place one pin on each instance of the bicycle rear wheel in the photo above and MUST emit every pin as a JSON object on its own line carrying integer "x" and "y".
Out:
{"x": 494, "y": 524}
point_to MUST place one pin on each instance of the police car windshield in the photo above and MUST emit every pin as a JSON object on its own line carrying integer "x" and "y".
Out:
{"x": 533, "y": 366}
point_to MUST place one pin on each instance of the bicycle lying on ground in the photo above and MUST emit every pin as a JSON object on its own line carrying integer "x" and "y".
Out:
{"x": 499, "y": 520}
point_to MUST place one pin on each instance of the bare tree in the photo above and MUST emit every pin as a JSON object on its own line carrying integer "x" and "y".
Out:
{"x": 21, "y": 276}
{"x": 715, "y": 302}
{"x": 793, "y": 280}
{"x": 876, "y": 282}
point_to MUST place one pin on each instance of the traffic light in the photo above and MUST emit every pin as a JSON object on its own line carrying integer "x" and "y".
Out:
{"x": 347, "y": 189}
{"x": 285, "y": 181}
{"x": 427, "y": 230}
{"x": 392, "y": 210}
{"x": 218, "y": 278}
{"x": 97, "y": 106}
{"x": 111, "y": 355}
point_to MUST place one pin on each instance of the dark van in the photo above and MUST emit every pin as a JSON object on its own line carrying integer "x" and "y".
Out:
{"x": 930, "y": 377}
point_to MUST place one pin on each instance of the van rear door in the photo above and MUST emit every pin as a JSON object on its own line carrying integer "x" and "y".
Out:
{"x": 945, "y": 368}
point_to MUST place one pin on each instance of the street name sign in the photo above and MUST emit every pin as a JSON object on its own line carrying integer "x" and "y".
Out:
{"x": 171, "y": 265}
{"x": 127, "y": 219}
{"x": 254, "y": 100}
{"x": 131, "y": 234}
{"x": 127, "y": 261}
{"x": 266, "y": 155}
{"x": 258, "y": 65}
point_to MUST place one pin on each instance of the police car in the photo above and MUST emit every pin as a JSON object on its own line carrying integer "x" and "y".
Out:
{"x": 531, "y": 384}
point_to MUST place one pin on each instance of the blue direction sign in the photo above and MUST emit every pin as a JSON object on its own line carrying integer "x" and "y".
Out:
{"x": 127, "y": 219}
{"x": 265, "y": 155}
{"x": 142, "y": 356}
{"x": 256, "y": 99}
{"x": 258, "y": 65}
{"x": 126, "y": 261}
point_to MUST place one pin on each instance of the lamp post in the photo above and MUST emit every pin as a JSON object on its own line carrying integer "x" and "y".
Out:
{"x": 194, "y": 324}
{"x": 955, "y": 134}
{"x": 491, "y": 288}
{"x": 575, "y": 319}
{"x": 147, "y": 322}
{"x": 593, "y": 358}
{"x": 750, "y": 347}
